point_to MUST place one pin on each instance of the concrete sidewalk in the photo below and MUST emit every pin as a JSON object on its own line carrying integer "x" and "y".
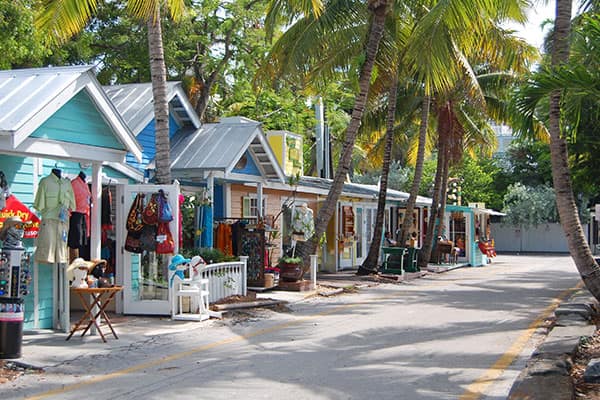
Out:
{"x": 41, "y": 348}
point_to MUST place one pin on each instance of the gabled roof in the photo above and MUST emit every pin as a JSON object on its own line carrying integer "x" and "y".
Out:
{"x": 29, "y": 97}
{"x": 135, "y": 103}
{"x": 218, "y": 147}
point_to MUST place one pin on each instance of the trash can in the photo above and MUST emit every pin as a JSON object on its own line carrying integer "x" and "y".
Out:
{"x": 11, "y": 327}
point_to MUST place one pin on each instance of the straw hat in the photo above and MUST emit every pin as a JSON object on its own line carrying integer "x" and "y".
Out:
{"x": 78, "y": 263}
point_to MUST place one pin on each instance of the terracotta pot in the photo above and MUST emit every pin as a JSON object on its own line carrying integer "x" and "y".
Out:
{"x": 290, "y": 272}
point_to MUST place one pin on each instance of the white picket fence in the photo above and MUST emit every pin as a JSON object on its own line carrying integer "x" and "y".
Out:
{"x": 226, "y": 279}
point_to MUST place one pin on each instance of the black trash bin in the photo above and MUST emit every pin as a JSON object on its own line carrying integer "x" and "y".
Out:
{"x": 11, "y": 327}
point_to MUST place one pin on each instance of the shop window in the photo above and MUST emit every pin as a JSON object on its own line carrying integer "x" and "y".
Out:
{"x": 250, "y": 206}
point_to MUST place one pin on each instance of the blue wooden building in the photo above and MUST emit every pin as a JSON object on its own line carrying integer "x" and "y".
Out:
{"x": 59, "y": 118}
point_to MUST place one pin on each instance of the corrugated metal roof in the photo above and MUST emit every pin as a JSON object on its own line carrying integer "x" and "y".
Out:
{"x": 370, "y": 191}
{"x": 135, "y": 103}
{"x": 218, "y": 147}
{"x": 28, "y": 97}
{"x": 24, "y": 92}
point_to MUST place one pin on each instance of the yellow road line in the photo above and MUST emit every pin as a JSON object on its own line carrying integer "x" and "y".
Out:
{"x": 473, "y": 392}
{"x": 476, "y": 389}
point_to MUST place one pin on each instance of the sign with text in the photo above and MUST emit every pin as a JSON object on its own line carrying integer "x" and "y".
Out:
{"x": 14, "y": 208}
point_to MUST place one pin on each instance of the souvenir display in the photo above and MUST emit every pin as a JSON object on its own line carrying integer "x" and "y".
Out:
{"x": 54, "y": 200}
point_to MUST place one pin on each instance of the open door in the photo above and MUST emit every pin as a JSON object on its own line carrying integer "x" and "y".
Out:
{"x": 145, "y": 276}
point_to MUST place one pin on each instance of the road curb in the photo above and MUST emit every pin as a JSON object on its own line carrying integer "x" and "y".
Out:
{"x": 547, "y": 373}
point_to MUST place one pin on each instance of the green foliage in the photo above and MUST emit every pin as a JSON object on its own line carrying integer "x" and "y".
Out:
{"x": 21, "y": 45}
{"x": 476, "y": 185}
{"x": 290, "y": 260}
{"x": 528, "y": 205}
{"x": 210, "y": 255}
{"x": 399, "y": 177}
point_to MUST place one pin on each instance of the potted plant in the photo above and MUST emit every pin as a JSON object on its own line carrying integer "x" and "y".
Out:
{"x": 290, "y": 268}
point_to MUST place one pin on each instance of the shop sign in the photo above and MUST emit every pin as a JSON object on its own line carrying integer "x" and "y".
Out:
{"x": 14, "y": 208}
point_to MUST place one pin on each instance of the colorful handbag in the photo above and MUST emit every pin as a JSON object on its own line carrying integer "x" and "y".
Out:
{"x": 132, "y": 243}
{"x": 134, "y": 217}
{"x": 165, "y": 213}
{"x": 164, "y": 240}
{"x": 150, "y": 215}
{"x": 148, "y": 238}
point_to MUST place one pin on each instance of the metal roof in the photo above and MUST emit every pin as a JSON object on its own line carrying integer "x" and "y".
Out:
{"x": 135, "y": 103}
{"x": 28, "y": 97}
{"x": 366, "y": 191}
{"x": 219, "y": 146}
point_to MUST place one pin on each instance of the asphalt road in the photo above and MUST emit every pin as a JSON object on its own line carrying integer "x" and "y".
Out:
{"x": 463, "y": 334}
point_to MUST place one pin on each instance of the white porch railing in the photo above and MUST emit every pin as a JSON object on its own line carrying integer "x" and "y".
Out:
{"x": 226, "y": 279}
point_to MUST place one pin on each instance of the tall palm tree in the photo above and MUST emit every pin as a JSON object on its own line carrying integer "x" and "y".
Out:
{"x": 64, "y": 18}
{"x": 369, "y": 265}
{"x": 565, "y": 200}
{"x": 378, "y": 10}
{"x": 408, "y": 219}
{"x": 462, "y": 16}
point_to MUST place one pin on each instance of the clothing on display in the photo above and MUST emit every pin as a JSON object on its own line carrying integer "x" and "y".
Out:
{"x": 54, "y": 200}
{"x": 79, "y": 221}
{"x": 303, "y": 221}
{"x": 83, "y": 196}
{"x": 4, "y": 190}
{"x": 223, "y": 237}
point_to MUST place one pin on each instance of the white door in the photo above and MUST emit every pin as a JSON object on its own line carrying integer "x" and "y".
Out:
{"x": 346, "y": 244}
{"x": 145, "y": 276}
{"x": 459, "y": 233}
{"x": 365, "y": 219}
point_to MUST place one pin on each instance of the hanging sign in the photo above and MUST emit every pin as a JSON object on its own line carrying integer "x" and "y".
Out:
{"x": 14, "y": 208}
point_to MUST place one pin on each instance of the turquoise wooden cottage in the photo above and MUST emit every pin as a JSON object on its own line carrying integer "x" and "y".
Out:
{"x": 59, "y": 118}
{"x": 465, "y": 226}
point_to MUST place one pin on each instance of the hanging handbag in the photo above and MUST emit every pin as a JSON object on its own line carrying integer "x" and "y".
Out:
{"x": 164, "y": 240}
{"x": 133, "y": 243}
{"x": 165, "y": 213}
{"x": 134, "y": 217}
{"x": 148, "y": 238}
{"x": 150, "y": 215}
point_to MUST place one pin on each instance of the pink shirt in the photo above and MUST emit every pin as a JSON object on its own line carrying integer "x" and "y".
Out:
{"x": 82, "y": 194}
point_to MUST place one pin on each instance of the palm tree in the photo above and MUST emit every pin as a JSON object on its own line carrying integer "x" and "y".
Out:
{"x": 564, "y": 84}
{"x": 378, "y": 10}
{"x": 370, "y": 263}
{"x": 565, "y": 200}
{"x": 65, "y": 18}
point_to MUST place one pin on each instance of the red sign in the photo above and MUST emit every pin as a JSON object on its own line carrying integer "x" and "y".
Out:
{"x": 15, "y": 208}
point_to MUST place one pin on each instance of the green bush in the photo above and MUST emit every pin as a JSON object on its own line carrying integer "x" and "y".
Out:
{"x": 210, "y": 255}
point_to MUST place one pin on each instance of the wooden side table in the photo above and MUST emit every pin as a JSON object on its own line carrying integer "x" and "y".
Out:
{"x": 100, "y": 297}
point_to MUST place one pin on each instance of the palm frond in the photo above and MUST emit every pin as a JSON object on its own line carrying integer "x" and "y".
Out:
{"x": 62, "y": 19}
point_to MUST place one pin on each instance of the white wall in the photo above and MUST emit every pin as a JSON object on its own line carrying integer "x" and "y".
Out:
{"x": 543, "y": 238}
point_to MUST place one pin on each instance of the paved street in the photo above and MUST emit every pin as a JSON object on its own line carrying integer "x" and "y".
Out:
{"x": 463, "y": 334}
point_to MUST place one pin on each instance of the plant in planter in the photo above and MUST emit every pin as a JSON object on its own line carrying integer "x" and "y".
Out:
{"x": 290, "y": 268}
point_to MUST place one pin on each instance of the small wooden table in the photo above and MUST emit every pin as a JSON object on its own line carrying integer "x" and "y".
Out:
{"x": 100, "y": 297}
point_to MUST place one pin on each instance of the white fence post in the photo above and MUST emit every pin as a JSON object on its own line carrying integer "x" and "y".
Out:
{"x": 313, "y": 269}
{"x": 244, "y": 259}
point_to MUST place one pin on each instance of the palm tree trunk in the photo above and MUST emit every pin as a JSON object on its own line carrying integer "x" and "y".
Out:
{"x": 433, "y": 211}
{"x": 565, "y": 201}
{"x": 416, "y": 184}
{"x": 370, "y": 263}
{"x": 158, "y": 76}
{"x": 443, "y": 194}
{"x": 379, "y": 9}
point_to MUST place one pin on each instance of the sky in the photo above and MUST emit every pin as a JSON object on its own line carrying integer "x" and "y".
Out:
{"x": 532, "y": 31}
